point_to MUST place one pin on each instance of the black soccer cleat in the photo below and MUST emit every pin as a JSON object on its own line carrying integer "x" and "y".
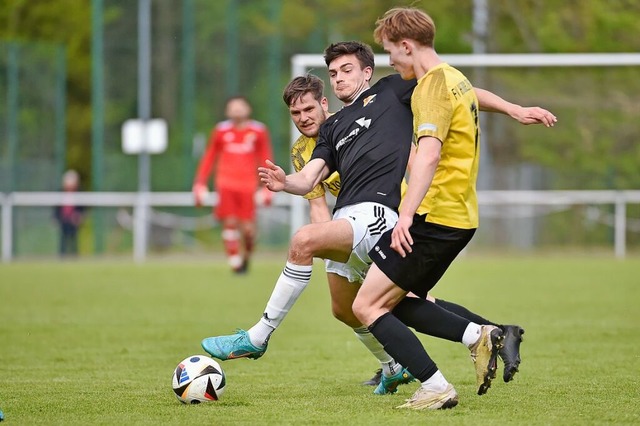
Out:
{"x": 243, "y": 268}
{"x": 375, "y": 380}
{"x": 510, "y": 351}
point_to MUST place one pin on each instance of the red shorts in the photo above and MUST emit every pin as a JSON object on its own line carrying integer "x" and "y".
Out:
{"x": 235, "y": 203}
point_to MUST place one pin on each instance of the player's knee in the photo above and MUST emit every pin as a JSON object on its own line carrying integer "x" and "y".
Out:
{"x": 301, "y": 246}
{"x": 345, "y": 315}
{"x": 359, "y": 309}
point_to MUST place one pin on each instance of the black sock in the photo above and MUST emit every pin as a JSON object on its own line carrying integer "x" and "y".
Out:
{"x": 403, "y": 346}
{"x": 464, "y": 312}
{"x": 430, "y": 318}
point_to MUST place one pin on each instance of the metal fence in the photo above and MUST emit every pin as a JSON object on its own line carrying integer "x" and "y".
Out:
{"x": 526, "y": 217}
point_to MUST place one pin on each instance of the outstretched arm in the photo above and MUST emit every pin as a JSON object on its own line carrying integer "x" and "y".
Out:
{"x": 490, "y": 102}
{"x": 300, "y": 183}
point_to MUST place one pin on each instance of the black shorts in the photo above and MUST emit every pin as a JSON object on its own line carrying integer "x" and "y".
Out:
{"x": 434, "y": 248}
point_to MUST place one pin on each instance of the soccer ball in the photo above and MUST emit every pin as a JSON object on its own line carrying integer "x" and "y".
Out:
{"x": 197, "y": 379}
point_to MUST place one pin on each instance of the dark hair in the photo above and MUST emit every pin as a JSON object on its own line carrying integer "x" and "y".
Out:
{"x": 300, "y": 86}
{"x": 363, "y": 52}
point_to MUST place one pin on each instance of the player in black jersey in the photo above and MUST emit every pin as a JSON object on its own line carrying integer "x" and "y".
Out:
{"x": 368, "y": 143}
{"x": 365, "y": 208}
{"x": 439, "y": 212}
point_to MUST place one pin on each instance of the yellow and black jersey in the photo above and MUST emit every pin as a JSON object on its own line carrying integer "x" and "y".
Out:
{"x": 300, "y": 155}
{"x": 445, "y": 106}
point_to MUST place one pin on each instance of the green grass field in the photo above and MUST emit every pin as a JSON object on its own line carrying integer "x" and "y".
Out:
{"x": 96, "y": 343}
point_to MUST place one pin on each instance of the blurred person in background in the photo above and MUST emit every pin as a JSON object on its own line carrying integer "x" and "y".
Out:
{"x": 236, "y": 148}
{"x": 69, "y": 215}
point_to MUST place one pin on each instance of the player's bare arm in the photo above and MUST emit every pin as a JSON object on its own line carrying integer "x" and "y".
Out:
{"x": 300, "y": 183}
{"x": 490, "y": 102}
{"x": 319, "y": 210}
{"x": 425, "y": 162}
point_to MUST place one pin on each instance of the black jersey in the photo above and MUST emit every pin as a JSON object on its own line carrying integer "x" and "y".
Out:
{"x": 368, "y": 143}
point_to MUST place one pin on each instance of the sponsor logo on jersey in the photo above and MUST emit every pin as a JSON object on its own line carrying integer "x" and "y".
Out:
{"x": 245, "y": 146}
{"x": 347, "y": 138}
{"x": 362, "y": 122}
{"x": 368, "y": 100}
{"x": 333, "y": 186}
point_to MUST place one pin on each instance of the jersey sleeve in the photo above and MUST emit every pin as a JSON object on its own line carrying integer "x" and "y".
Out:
{"x": 265, "y": 150}
{"x": 323, "y": 150}
{"x": 432, "y": 109}
{"x": 300, "y": 156}
{"x": 205, "y": 166}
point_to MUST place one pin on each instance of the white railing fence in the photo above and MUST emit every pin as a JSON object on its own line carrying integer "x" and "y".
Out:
{"x": 141, "y": 203}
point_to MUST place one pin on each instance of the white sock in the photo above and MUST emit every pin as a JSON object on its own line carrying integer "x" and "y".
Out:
{"x": 471, "y": 334}
{"x": 389, "y": 365}
{"x": 290, "y": 284}
{"x": 437, "y": 382}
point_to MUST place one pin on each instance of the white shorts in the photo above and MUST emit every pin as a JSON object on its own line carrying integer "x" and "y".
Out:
{"x": 368, "y": 221}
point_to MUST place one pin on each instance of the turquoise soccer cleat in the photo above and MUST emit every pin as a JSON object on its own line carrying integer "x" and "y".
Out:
{"x": 389, "y": 384}
{"x": 234, "y": 346}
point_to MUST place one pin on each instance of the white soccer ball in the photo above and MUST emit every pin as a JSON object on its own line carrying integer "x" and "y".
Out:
{"x": 197, "y": 379}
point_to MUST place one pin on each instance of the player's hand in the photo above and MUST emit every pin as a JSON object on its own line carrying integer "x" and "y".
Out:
{"x": 265, "y": 197}
{"x": 200, "y": 194}
{"x": 401, "y": 240}
{"x": 272, "y": 177}
{"x": 534, "y": 115}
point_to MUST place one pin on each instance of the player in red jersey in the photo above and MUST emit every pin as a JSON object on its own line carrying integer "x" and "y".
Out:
{"x": 237, "y": 147}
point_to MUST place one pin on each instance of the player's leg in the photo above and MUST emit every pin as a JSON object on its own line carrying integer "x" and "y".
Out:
{"x": 332, "y": 240}
{"x": 374, "y": 302}
{"x": 64, "y": 238}
{"x": 231, "y": 242}
{"x": 343, "y": 293}
{"x": 510, "y": 351}
{"x": 247, "y": 215}
{"x": 73, "y": 241}
{"x": 435, "y": 247}
{"x": 368, "y": 221}
{"x": 226, "y": 212}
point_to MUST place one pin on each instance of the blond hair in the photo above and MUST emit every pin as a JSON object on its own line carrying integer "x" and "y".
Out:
{"x": 405, "y": 22}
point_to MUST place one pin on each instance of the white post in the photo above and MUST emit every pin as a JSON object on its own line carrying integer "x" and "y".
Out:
{"x": 297, "y": 203}
{"x": 140, "y": 226}
{"x": 620, "y": 227}
{"x": 141, "y": 213}
{"x": 7, "y": 237}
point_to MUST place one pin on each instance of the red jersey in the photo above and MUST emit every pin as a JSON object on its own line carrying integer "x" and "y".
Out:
{"x": 238, "y": 153}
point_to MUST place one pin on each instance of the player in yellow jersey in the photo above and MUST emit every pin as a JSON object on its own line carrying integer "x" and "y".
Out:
{"x": 308, "y": 109}
{"x": 439, "y": 211}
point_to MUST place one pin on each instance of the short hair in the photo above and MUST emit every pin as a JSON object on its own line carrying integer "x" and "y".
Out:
{"x": 405, "y": 22}
{"x": 237, "y": 98}
{"x": 300, "y": 86}
{"x": 363, "y": 52}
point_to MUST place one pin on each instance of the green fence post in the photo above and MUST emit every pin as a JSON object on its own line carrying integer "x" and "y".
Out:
{"x": 97, "y": 108}
{"x": 273, "y": 67}
{"x": 60, "y": 111}
{"x": 188, "y": 88}
{"x": 231, "y": 53}
{"x": 12, "y": 112}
